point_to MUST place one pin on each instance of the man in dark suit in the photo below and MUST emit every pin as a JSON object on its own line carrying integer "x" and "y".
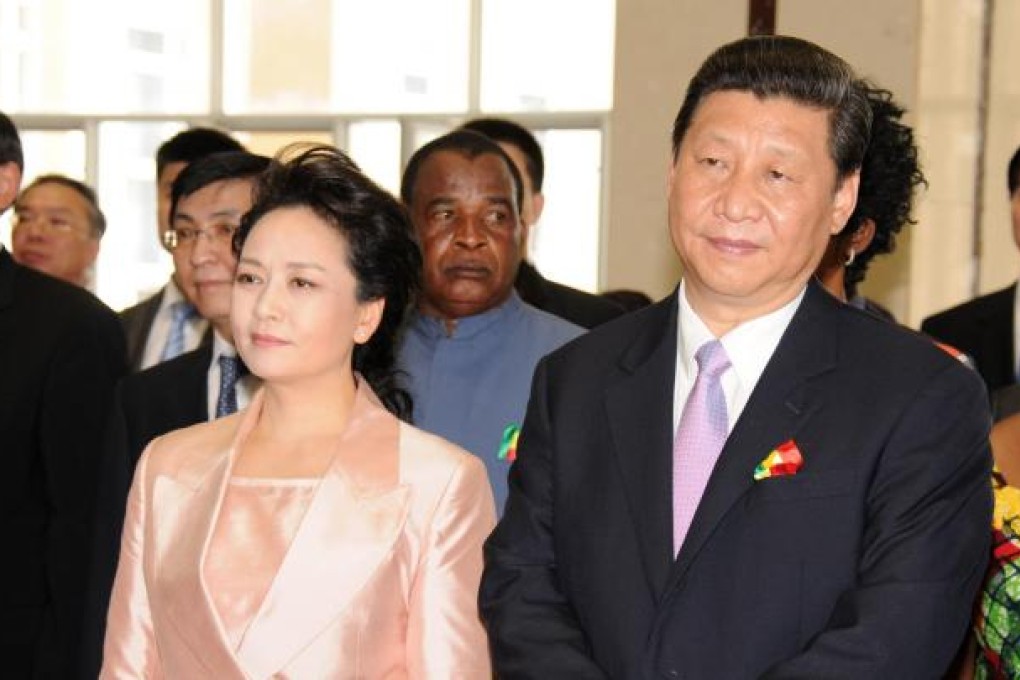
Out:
{"x": 61, "y": 352}
{"x": 748, "y": 479}
{"x": 985, "y": 327}
{"x": 576, "y": 306}
{"x": 208, "y": 200}
{"x": 165, "y": 325}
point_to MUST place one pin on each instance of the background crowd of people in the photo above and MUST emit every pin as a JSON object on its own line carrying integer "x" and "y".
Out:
{"x": 288, "y": 459}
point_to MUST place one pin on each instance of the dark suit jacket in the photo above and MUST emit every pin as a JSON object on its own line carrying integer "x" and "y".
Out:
{"x": 61, "y": 352}
{"x": 137, "y": 321}
{"x": 576, "y": 306}
{"x": 862, "y": 565}
{"x": 983, "y": 329}
{"x": 165, "y": 397}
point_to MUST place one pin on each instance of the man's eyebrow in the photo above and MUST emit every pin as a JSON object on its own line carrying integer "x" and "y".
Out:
{"x": 439, "y": 200}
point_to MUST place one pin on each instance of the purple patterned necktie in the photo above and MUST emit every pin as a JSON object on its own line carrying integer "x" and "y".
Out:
{"x": 699, "y": 439}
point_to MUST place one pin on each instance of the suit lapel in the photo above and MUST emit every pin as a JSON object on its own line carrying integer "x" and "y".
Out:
{"x": 781, "y": 402}
{"x": 137, "y": 331}
{"x": 996, "y": 337}
{"x": 350, "y": 526}
{"x": 191, "y": 502}
{"x": 642, "y": 437}
{"x": 6, "y": 278}
{"x": 195, "y": 385}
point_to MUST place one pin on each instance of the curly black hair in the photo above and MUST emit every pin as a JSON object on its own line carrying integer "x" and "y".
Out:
{"x": 383, "y": 254}
{"x": 890, "y": 173}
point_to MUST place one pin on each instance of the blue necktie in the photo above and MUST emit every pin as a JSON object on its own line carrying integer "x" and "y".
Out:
{"x": 230, "y": 371}
{"x": 180, "y": 312}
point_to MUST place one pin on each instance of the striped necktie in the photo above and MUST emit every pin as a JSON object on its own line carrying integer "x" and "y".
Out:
{"x": 180, "y": 312}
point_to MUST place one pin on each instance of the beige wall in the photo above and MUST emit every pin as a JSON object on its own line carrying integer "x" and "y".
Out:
{"x": 659, "y": 45}
{"x": 926, "y": 51}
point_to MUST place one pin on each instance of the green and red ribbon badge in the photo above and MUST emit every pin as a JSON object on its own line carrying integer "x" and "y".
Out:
{"x": 508, "y": 446}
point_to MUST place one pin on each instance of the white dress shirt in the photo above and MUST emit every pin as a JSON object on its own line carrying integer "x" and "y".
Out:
{"x": 194, "y": 329}
{"x": 749, "y": 347}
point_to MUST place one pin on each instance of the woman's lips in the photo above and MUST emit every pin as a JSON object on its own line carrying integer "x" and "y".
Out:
{"x": 266, "y": 340}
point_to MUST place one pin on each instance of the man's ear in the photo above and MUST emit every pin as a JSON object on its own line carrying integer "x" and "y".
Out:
{"x": 844, "y": 201}
{"x": 537, "y": 205}
{"x": 10, "y": 183}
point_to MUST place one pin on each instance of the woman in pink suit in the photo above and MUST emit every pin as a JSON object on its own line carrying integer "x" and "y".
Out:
{"x": 313, "y": 535}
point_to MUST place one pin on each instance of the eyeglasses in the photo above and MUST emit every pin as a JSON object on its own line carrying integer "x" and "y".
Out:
{"x": 187, "y": 237}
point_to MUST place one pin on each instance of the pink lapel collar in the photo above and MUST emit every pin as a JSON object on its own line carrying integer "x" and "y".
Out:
{"x": 353, "y": 520}
{"x": 190, "y": 503}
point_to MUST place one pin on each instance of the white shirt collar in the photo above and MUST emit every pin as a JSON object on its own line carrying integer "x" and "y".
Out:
{"x": 749, "y": 347}
{"x": 221, "y": 348}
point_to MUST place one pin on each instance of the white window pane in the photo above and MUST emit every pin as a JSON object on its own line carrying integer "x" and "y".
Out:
{"x": 346, "y": 55}
{"x": 400, "y": 55}
{"x": 565, "y": 243}
{"x": 106, "y": 56}
{"x": 47, "y": 153}
{"x": 547, "y": 55}
{"x": 276, "y": 56}
{"x": 375, "y": 147}
{"x": 132, "y": 264}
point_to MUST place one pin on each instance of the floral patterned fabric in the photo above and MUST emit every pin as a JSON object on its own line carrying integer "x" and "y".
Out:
{"x": 997, "y": 628}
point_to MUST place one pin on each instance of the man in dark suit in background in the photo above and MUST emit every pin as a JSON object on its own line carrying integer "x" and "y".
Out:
{"x": 576, "y": 306}
{"x": 208, "y": 200}
{"x": 985, "y": 327}
{"x": 61, "y": 352}
{"x": 166, "y": 324}
{"x": 749, "y": 479}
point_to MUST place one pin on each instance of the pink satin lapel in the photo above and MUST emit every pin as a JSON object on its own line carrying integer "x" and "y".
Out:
{"x": 351, "y": 525}
{"x": 189, "y": 505}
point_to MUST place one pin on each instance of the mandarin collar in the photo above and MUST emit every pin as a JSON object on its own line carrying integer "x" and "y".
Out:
{"x": 470, "y": 326}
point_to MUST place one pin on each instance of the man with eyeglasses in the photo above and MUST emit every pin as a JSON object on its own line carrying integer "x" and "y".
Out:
{"x": 207, "y": 202}
{"x": 57, "y": 227}
{"x": 168, "y": 324}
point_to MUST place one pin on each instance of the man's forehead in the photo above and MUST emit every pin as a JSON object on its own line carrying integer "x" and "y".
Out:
{"x": 51, "y": 196}
{"x": 728, "y": 112}
{"x": 451, "y": 172}
{"x": 230, "y": 192}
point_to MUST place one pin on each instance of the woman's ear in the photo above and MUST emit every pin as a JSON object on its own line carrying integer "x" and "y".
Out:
{"x": 864, "y": 235}
{"x": 369, "y": 317}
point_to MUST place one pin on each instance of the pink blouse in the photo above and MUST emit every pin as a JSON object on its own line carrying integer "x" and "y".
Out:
{"x": 257, "y": 523}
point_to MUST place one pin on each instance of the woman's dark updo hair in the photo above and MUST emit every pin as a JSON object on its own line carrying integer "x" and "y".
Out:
{"x": 890, "y": 174}
{"x": 382, "y": 252}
